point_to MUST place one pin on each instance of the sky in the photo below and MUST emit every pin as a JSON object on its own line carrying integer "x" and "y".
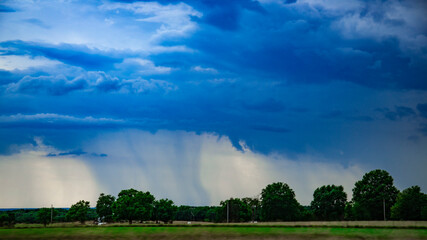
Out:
{"x": 202, "y": 100}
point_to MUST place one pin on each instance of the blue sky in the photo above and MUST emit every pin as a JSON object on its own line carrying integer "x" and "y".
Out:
{"x": 199, "y": 101}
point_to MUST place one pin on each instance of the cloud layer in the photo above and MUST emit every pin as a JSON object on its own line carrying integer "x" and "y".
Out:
{"x": 301, "y": 83}
{"x": 186, "y": 167}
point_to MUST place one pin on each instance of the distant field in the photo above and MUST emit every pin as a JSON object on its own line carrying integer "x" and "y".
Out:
{"x": 355, "y": 224}
{"x": 205, "y": 232}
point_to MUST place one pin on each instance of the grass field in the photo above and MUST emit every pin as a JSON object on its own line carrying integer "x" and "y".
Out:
{"x": 221, "y": 232}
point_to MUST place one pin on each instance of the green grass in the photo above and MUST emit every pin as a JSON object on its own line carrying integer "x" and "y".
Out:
{"x": 211, "y": 233}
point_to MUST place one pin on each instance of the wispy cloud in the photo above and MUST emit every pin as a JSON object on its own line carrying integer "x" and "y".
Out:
{"x": 205, "y": 69}
{"x": 89, "y": 82}
{"x": 174, "y": 19}
{"x": 53, "y": 118}
{"x": 16, "y": 62}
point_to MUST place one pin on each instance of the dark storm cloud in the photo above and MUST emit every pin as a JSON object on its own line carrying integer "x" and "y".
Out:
{"x": 6, "y": 77}
{"x": 270, "y": 129}
{"x": 95, "y": 81}
{"x": 298, "y": 44}
{"x": 6, "y": 9}
{"x": 269, "y": 105}
{"x": 77, "y": 152}
{"x": 338, "y": 114}
{"x": 259, "y": 72}
{"x": 423, "y": 129}
{"x": 299, "y": 79}
{"x": 333, "y": 114}
{"x": 223, "y": 14}
{"x": 76, "y": 55}
{"x": 422, "y": 109}
{"x": 414, "y": 138}
{"x": 58, "y": 121}
{"x": 226, "y": 14}
{"x": 398, "y": 113}
{"x": 51, "y": 85}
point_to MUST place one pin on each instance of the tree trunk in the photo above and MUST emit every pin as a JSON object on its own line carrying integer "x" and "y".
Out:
{"x": 130, "y": 221}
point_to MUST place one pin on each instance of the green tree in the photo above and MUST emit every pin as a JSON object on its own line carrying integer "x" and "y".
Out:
{"x": 44, "y": 215}
{"x": 104, "y": 207}
{"x": 164, "y": 210}
{"x": 278, "y": 203}
{"x": 255, "y": 205}
{"x": 4, "y": 218}
{"x": 238, "y": 210}
{"x": 348, "y": 211}
{"x": 329, "y": 202}
{"x": 79, "y": 211}
{"x": 369, "y": 194}
{"x": 409, "y": 204}
{"x": 27, "y": 216}
{"x": 306, "y": 214}
{"x": 7, "y": 218}
{"x": 132, "y": 205}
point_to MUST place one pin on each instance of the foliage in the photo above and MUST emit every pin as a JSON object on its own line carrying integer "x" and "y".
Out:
{"x": 61, "y": 215}
{"x": 329, "y": 202}
{"x": 26, "y": 216}
{"x": 306, "y": 213}
{"x": 278, "y": 203}
{"x": 348, "y": 211}
{"x": 92, "y": 215}
{"x": 255, "y": 205}
{"x": 3, "y": 218}
{"x": 44, "y": 215}
{"x": 7, "y": 218}
{"x": 204, "y": 213}
{"x": 369, "y": 194}
{"x": 132, "y": 205}
{"x": 164, "y": 210}
{"x": 238, "y": 210}
{"x": 79, "y": 211}
{"x": 409, "y": 204}
{"x": 31, "y": 215}
{"x": 104, "y": 207}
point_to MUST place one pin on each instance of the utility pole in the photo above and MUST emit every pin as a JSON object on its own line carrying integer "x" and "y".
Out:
{"x": 51, "y": 213}
{"x": 384, "y": 208}
{"x": 228, "y": 209}
{"x": 253, "y": 213}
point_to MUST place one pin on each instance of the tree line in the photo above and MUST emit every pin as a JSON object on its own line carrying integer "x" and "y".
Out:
{"x": 374, "y": 198}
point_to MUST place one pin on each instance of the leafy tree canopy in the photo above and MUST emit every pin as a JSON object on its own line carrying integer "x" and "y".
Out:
{"x": 132, "y": 205}
{"x": 7, "y": 219}
{"x": 238, "y": 210}
{"x": 410, "y": 205}
{"x": 104, "y": 207}
{"x": 79, "y": 211}
{"x": 329, "y": 202}
{"x": 278, "y": 203}
{"x": 44, "y": 215}
{"x": 369, "y": 194}
{"x": 164, "y": 210}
